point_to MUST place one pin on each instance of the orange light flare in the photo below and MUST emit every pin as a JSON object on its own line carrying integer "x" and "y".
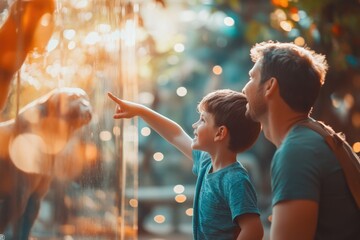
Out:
{"x": 280, "y": 3}
{"x": 336, "y": 30}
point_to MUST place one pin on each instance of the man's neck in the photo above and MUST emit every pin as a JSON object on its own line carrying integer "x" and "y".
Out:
{"x": 277, "y": 126}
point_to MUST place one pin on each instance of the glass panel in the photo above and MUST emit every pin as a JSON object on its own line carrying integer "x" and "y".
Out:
{"x": 67, "y": 169}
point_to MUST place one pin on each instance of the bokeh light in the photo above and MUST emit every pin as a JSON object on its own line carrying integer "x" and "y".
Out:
{"x": 158, "y": 156}
{"x": 145, "y": 131}
{"x": 217, "y": 70}
{"x": 181, "y": 91}
{"x": 228, "y": 21}
{"x": 356, "y": 147}
{"x": 159, "y": 218}
{"x": 179, "y": 189}
{"x": 189, "y": 212}
{"x": 105, "y": 136}
{"x": 180, "y": 198}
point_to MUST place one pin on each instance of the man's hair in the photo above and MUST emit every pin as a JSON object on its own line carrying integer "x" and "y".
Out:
{"x": 299, "y": 71}
{"x": 228, "y": 108}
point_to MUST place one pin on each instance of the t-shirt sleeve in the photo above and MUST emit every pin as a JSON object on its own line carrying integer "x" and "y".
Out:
{"x": 295, "y": 173}
{"x": 242, "y": 197}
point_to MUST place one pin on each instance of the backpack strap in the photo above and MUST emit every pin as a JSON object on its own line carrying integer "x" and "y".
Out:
{"x": 348, "y": 159}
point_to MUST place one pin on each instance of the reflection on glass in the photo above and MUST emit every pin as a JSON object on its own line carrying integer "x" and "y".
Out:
{"x": 67, "y": 169}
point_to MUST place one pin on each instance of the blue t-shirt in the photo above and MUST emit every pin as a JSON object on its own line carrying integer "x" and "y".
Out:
{"x": 304, "y": 167}
{"x": 220, "y": 197}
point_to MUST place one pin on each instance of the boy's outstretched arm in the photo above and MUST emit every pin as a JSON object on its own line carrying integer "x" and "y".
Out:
{"x": 168, "y": 129}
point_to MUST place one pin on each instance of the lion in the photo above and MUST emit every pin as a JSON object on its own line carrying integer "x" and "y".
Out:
{"x": 29, "y": 146}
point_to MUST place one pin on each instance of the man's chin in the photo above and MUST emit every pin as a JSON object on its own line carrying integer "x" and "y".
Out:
{"x": 247, "y": 113}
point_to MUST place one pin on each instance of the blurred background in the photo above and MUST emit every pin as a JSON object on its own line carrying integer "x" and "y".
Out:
{"x": 167, "y": 54}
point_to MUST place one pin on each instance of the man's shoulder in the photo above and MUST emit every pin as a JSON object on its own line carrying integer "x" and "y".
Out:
{"x": 302, "y": 132}
{"x": 304, "y": 147}
{"x": 301, "y": 138}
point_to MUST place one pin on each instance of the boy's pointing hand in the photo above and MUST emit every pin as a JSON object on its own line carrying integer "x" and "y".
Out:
{"x": 124, "y": 109}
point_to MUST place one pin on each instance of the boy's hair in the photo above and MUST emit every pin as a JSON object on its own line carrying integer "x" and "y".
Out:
{"x": 300, "y": 72}
{"x": 228, "y": 108}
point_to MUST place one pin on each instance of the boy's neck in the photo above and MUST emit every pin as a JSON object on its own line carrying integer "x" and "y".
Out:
{"x": 222, "y": 159}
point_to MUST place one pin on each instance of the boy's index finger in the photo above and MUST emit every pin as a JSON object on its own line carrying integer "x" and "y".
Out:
{"x": 114, "y": 98}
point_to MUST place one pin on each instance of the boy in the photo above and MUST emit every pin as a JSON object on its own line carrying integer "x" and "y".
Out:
{"x": 225, "y": 204}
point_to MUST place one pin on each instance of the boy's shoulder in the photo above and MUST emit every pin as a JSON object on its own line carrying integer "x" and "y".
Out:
{"x": 197, "y": 154}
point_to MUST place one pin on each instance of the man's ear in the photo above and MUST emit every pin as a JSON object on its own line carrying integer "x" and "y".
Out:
{"x": 221, "y": 133}
{"x": 271, "y": 86}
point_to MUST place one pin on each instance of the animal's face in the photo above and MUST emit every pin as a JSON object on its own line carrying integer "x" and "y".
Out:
{"x": 53, "y": 119}
{"x": 70, "y": 105}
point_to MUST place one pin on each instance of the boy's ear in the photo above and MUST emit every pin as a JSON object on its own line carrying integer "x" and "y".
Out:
{"x": 221, "y": 133}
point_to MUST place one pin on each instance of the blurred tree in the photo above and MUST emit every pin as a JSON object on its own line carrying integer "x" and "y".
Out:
{"x": 332, "y": 27}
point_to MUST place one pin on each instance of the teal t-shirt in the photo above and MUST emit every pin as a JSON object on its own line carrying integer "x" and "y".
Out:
{"x": 304, "y": 167}
{"x": 220, "y": 197}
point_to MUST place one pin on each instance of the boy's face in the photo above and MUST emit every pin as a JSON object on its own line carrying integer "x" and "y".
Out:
{"x": 204, "y": 132}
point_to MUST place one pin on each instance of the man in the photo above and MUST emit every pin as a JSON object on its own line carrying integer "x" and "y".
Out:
{"x": 310, "y": 197}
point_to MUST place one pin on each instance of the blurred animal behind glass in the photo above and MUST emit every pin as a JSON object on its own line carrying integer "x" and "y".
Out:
{"x": 29, "y": 146}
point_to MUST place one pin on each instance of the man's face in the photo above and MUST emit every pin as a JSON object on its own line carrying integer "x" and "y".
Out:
{"x": 253, "y": 90}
